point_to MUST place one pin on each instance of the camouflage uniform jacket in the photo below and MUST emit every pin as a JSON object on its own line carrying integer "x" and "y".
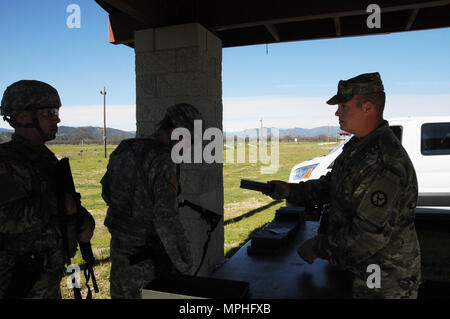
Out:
{"x": 372, "y": 191}
{"x": 140, "y": 188}
{"x": 29, "y": 208}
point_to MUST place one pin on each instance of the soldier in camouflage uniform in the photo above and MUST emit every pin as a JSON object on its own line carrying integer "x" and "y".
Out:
{"x": 32, "y": 254}
{"x": 141, "y": 188}
{"x": 372, "y": 192}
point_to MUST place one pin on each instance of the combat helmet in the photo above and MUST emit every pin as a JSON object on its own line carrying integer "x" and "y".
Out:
{"x": 183, "y": 115}
{"x": 28, "y": 95}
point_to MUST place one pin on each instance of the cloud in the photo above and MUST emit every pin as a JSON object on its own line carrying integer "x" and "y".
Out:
{"x": 283, "y": 112}
{"x": 308, "y": 112}
{"x": 277, "y": 111}
{"x": 417, "y": 105}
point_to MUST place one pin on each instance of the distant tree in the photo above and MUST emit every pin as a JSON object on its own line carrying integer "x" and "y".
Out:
{"x": 80, "y": 134}
{"x": 115, "y": 139}
{"x": 321, "y": 137}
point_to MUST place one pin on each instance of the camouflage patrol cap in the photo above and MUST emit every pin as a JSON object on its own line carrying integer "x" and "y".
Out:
{"x": 362, "y": 84}
{"x": 28, "y": 94}
{"x": 183, "y": 115}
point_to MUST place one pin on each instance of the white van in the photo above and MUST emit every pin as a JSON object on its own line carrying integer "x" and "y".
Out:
{"x": 427, "y": 141}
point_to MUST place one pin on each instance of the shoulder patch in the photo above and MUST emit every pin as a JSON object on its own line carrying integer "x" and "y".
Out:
{"x": 378, "y": 198}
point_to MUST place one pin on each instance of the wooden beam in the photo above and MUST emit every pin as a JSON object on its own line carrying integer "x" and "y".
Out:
{"x": 273, "y": 31}
{"x": 122, "y": 28}
{"x": 249, "y": 22}
{"x": 221, "y": 19}
{"x": 337, "y": 26}
{"x": 411, "y": 19}
{"x": 131, "y": 8}
{"x": 158, "y": 13}
{"x": 147, "y": 12}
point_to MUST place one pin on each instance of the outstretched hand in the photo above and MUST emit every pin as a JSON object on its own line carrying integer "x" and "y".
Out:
{"x": 279, "y": 190}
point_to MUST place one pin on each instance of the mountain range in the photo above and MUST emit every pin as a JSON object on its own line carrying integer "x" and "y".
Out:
{"x": 91, "y": 133}
{"x": 331, "y": 131}
{"x": 68, "y": 134}
{"x": 77, "y": 135}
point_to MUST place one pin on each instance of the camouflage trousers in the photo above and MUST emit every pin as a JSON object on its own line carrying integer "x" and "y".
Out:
{"x": 126, "y": 281}
{"x": 388, "y": 290}
{"x": 46, "y": 287}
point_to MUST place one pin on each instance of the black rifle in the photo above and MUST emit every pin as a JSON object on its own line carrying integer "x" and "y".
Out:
{"x": 207, "y": 215}
{"x": 262, "y": 187}
{"x": 210, "y": 217}
{"x": 159, "y": 254}
{"x": 67, "y": 186}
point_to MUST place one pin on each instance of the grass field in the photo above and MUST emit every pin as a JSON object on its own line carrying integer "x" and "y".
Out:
{"x": 244, "y": 210}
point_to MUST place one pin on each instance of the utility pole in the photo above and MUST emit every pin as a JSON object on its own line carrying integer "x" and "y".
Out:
{"x": 260, "y": 130}
{"x": 104, "y": 118}
{"x": 328, "y": 133}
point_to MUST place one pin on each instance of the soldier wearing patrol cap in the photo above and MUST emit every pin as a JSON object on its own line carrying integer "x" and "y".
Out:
{"x": 141, "y": 187}
{"x": 32, "y": 253}
{"x": 371, "y": 191}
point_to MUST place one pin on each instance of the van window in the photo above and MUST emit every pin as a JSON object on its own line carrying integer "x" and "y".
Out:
{"x": 339, "y": 147}
{"x": 398, "y": 131}
{"x": 341, "y": 144}
{"x": 435, "y": 139}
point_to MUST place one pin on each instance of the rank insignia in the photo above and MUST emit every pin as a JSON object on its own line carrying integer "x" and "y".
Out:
{"x": 378, "y": 198}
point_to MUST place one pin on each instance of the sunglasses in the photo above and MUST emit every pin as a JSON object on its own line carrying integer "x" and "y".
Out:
{"x": 49, "y": 113}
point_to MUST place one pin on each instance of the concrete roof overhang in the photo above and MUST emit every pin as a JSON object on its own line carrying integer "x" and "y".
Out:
{"x": 248, "y": 22}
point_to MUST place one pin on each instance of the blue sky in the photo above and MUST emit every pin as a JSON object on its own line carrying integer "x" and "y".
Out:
{"x": 287, "y": 87}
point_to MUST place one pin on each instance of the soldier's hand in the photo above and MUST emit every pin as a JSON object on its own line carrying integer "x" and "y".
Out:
{"x": 306, "y": 251}
{"x": 87, "y": 227}
{"x": 279, "y": 190}
{"x": 85, "y": 235}
{"x": 71, "y": 205}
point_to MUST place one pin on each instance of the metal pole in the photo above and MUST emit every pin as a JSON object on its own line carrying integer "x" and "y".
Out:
{"x": 328, "y": 134}
{"x": 104, "y": 118}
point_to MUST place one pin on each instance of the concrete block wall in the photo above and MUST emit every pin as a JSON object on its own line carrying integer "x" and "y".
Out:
{"x": 176, "y": 64}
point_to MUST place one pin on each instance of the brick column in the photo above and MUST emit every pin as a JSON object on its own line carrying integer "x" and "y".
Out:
{"x": 176, "y": 64}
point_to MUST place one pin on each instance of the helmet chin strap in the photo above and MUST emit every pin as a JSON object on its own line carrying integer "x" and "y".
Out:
{"x": 35, "y": 124}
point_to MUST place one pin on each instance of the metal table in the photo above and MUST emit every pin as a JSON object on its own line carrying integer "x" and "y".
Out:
{"x": 285, "y": 275}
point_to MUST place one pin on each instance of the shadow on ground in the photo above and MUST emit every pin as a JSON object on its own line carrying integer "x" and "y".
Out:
{"x": 232, "y": 251}
{"x": 251, "y": 213}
